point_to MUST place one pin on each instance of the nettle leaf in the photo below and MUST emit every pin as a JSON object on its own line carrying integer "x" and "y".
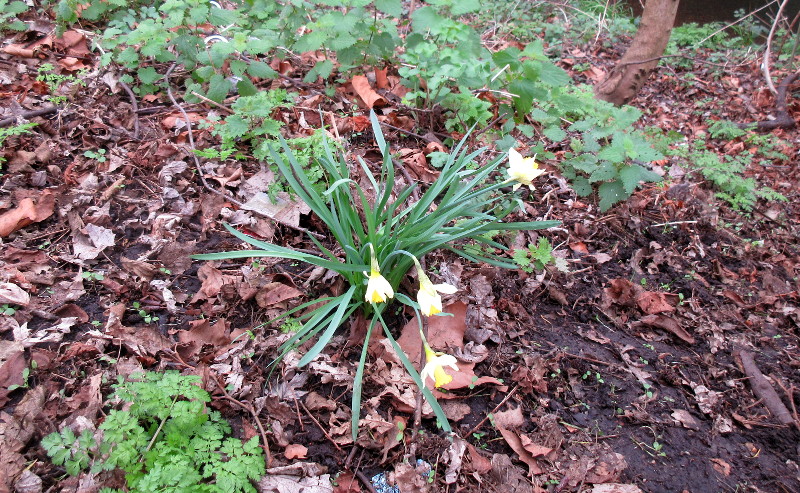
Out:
{"x": 604, "y": 172}
{"x": 245, "y": 87}
{"x": 553, "y": 75}
{"x": 462, "y": 7}
{"x": 582, "y": 186}
{"x": 425, "y": 19}
{"x": 632, "y": 174}
{"x": 148, "y": 75}
{"x": 261, "y": 70}
{"x": 615, "y": 152}
{"x": 390, "y": 7}
{"x": 218, "y": 88}
{"x": 321, "y": 69}
{"x": 555, "y": 133}
{"x": 311, "y": 41}
{"x": 610, "y": 193}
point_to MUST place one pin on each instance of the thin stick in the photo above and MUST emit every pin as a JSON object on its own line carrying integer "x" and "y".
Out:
{"x": 11, "y": 120}
{"x": 765, "y": 63}
{"x": 134, "y": 109}
{"x": 248, "y": 408}
{"x": 735, "y": 22}
{"x": 213, "y": 103}
{"x": 505, "y": 399}
{"x": 324, "y": 431}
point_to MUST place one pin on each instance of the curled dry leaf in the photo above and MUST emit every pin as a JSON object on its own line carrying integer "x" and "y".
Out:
{"x": 371, "y": 98}
{"x": 27, "y": 212}
{"x": 12, "y": 294}
{"x": 507, "y": 423}
{"x": 652, "y": 302}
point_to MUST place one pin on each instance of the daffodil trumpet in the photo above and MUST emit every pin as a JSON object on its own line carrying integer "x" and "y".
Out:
{"x": 434, "y": 366}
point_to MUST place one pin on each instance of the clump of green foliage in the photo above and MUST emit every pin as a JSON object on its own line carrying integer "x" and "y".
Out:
{"x": 8, "y": 15}
{"x": 165, "y": 439}
{"x": 536, "y": 256}
{"x": 6, "y": 132}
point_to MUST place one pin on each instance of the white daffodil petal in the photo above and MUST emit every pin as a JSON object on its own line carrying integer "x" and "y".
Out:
{"x": 445, "y": 288}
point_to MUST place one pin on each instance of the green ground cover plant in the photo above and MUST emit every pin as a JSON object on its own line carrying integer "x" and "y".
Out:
{"x": 164, "y": 438}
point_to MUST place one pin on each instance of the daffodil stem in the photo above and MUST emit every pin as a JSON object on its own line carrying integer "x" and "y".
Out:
{"x": 423, "y": 332}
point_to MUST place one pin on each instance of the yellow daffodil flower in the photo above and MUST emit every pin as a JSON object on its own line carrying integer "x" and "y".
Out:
{"x": 522, "y": 170}
{"x": 434, "y": 367}
{"x": 430, "y": 302}
{"x": 378, "y": 288}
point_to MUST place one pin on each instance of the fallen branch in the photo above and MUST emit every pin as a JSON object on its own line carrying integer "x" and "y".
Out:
{"x": 782, "y": 119}
{"x": 762, "y": 389}
{"x": 12, "y": 120}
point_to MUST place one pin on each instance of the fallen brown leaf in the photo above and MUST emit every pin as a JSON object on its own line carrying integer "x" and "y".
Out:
{"x": 669, "y": 324}
{"x": 27, "y": 212}
{"x": 652, "y": 302}
{"x": 295, "y": 451}
{"x": 366, "y": 93}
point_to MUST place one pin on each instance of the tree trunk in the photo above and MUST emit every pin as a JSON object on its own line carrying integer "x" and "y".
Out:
{"x": 649, "y": 43}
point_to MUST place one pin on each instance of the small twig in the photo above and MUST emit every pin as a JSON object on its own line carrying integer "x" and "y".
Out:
{"x": 213, "y": 103}
{"x": 505, "y": 399}
{"x": 407, "y": 132}
{"x": 741, "y": 19}
{"x": 248, "y": 408}
{"x": 673, "y": 223}
{"x": 322, "y": 428}
{"x": 367, "y": 483}
{"x": 12, "y": 120}
{"x": 790, "y": 396}
{"x": 134, "y": 109}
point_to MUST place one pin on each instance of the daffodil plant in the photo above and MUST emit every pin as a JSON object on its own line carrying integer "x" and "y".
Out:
{"x": 375, "y": 241}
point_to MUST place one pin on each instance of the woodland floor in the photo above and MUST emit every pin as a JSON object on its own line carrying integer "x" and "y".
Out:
{"x": 624, "y": 371}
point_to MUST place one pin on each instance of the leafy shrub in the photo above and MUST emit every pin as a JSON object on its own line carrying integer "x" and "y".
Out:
{"x": 164, "y": 439}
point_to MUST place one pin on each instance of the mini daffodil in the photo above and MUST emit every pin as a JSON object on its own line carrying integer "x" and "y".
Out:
{"x": 430, "y": 302}
{"x": 434, "y": 367}
{"x": 378, "y": 288}
{"x": 522, "y": 170}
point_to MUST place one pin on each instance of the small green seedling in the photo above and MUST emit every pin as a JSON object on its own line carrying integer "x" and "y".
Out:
{"x": 92, "y": 276}
{"x": 146, "y": 316}
{"x": 99, "y": 155}
{"x": 7, "y": 310}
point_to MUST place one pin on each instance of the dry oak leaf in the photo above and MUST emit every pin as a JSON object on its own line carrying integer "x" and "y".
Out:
{"x": 27, "y": 212}
{"x": 509, "y": 421}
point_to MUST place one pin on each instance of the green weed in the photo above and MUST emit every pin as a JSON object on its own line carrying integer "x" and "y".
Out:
{"x": 163, "y": 438}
